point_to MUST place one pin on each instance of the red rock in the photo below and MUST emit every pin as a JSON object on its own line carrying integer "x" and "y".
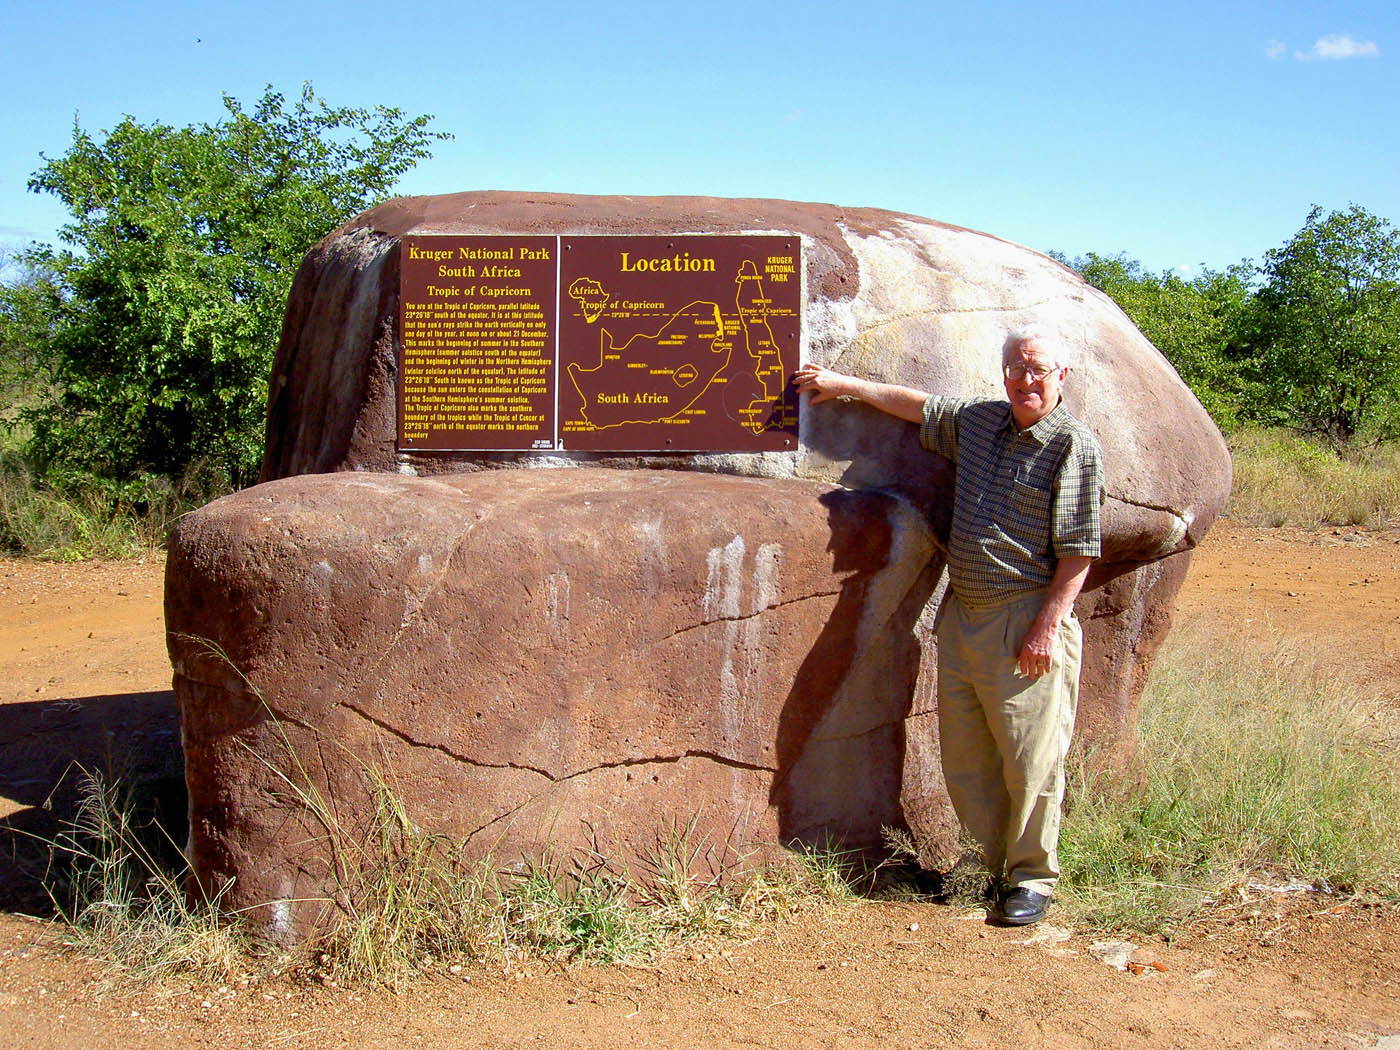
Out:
{"x": 536, "y": 658}
{"x": 523, "y": 651}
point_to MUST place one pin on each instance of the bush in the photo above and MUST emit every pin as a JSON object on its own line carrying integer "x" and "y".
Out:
{"x": 157, "y": 322}
{"x": 1282, "y": 478}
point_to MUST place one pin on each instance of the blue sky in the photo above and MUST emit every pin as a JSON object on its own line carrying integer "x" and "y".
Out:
{"x": 1182, "y": 134}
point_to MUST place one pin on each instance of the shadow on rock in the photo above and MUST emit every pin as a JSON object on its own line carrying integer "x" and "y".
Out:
{"x": 840, "y": 742}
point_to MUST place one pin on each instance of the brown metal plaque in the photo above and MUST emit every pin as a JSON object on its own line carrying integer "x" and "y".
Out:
{"x": 476, "y": 327}
{"x": 680, "y": 344}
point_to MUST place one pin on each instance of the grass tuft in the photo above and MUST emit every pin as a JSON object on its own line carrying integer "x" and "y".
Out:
{"x": 114, "y": 887}
{"x": 1282, "y": 478}
{"x": 1250, "y": 766}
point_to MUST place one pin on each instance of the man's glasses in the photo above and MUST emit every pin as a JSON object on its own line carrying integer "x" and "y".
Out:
{"x": 1018, "y": 372}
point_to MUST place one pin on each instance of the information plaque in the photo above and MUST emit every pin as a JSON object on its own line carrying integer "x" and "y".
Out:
{"x": 680, "y": 344}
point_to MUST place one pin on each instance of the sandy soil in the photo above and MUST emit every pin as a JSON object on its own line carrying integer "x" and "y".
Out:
{"x": 83, "y": 674}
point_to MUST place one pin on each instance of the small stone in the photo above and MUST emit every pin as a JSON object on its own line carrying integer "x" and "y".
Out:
{"x": 913, "y": 927}
{"x": 1047, "y": 933}
{"x": 1113, "y": 953}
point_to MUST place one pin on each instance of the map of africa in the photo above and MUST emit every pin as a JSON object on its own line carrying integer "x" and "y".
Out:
{"x": 648, "y": 367}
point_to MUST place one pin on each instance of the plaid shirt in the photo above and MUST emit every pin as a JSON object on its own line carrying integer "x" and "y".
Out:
{"x": 1022, "y": 500}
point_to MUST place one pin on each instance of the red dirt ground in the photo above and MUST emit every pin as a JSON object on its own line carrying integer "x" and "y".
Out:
{"x": 1289, "y": 973}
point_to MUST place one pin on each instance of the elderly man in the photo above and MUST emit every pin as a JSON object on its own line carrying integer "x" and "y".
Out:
{"x": 1025, "y": 530}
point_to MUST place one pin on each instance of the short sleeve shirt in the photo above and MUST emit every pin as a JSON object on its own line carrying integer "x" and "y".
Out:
{"x": 1022, "y": 499}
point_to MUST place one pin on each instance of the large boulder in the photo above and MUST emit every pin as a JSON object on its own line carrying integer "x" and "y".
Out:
{"x": 539, "y": 654}
{"x": 551, "y": 651}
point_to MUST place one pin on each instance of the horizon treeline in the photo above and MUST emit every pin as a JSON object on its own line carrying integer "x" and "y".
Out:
{"x": 1307, "y": 340}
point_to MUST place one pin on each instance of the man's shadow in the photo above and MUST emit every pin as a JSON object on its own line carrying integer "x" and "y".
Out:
{"x": 841, "y": 734}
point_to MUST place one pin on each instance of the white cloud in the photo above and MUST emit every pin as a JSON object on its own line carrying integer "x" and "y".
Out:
{"x": 1276, "y": 49}
{"x": 1336, "y": 46}
{"x": 1186, "y": 271}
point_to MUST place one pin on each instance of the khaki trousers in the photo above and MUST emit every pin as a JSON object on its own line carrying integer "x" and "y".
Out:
{"x": 1004, "y": 738}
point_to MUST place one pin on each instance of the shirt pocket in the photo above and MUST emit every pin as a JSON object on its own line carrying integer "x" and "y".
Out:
{"x": 1029, "y": 524}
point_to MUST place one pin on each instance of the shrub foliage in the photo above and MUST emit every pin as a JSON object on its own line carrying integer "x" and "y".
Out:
{"x": 159, "y": 314}
{"x": 1309, "y": 340}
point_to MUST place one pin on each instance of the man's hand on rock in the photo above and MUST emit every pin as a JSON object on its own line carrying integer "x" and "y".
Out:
{"x": 824, "y": 384}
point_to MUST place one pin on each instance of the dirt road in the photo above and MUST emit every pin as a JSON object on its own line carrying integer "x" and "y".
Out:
{"x": 83, "y": 673}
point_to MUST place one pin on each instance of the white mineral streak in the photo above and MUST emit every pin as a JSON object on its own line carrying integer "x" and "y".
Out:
{"x": 279, "y": 917}
{"x": 655, "y": 561}
{"x": 1144, "y": 579}
{"x": 767, "y": 564}
{"x": 723, "y": 600}
{"x": 722, "y": 581}
{"x": 737, "y": 717}
{"x": 1175, "y": 533}
{"x": 741, "y": 642}
{"x": 557, "y": 594}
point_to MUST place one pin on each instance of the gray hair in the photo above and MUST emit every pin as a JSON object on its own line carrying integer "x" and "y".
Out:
{"x": 1052, "y": 347}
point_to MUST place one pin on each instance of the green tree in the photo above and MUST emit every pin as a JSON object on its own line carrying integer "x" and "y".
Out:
{"x": 1195, "y": 323}
{"x": 29, "y": 300}
{"x": 169, "y": 290}
{"x": 1326, "y": 341}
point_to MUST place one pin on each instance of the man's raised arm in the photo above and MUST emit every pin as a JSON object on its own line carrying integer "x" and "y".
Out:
{"x": 823, "y": 384}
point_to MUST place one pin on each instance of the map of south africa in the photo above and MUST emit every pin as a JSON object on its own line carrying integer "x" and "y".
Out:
{"x": 662, "y": 371}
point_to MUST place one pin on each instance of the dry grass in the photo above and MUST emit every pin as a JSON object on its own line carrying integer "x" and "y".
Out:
{"x": 413, "y": 903}
{"x": 1284, "y": 479}
{"x": 1251, "y": 766}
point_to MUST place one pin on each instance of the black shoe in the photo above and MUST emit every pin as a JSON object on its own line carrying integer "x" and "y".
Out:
{"x": 1022, "y": 907}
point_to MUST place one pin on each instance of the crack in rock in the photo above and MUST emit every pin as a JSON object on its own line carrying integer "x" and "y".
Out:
{"x": 656, "y": 760}
{"x": 853, "y": 736}
{"x": 442, "y": 748}
{"x": 1179, "y": 515}
{"x": 552, "y": 778}
{"x": 748, "y": 616}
